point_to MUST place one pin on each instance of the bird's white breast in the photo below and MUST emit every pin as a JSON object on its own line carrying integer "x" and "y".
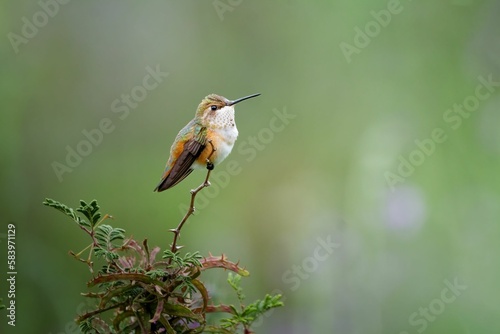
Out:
{"x": 223, "y": 126}
{"x": 227, "y": 138}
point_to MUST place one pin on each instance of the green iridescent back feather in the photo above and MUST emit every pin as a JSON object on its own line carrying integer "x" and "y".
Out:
{"x": 194, "y": 129}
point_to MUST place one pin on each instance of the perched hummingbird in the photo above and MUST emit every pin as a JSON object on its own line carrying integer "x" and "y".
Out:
{"x": 214, "y": 121}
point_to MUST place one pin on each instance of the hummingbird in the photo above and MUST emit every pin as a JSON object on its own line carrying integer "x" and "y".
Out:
{"x": 213, "y": 124}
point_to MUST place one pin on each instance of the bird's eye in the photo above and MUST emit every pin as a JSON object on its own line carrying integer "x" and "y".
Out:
{"x": 213, "y": 107}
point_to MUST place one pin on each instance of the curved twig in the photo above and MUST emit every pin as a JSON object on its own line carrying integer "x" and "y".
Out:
{"x": 177, "y": 231}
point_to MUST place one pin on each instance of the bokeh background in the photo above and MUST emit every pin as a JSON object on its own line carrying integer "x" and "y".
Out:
{"x": 330, "y": 171}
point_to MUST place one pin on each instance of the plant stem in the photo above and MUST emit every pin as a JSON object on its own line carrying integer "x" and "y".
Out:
{"x": 177, "y": 231}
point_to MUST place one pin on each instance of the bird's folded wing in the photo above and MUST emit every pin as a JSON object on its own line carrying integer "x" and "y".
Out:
{"x": 182, "y": 166}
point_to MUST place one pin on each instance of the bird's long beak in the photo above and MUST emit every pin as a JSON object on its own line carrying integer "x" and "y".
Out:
{"x": 233, "y": 102}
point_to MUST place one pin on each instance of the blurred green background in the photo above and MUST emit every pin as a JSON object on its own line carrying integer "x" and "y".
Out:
{"x": 356, "y": 165}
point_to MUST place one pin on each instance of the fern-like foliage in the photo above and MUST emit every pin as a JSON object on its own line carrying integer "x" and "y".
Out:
{"x": 105, "y": 236}
{"x": 247, "y": 315}
{"x": 135, "y": 292}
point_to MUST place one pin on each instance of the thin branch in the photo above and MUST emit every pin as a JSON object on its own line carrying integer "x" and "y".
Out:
{"x": 177, "y": 231}
{"x": 87, "y": 315}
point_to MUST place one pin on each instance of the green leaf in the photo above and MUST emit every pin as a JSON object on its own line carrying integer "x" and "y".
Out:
{"x": 91, "y": 211}
{"x": 156, "y": 273}
{"x": 214, "y": 329}
{"x": 259, "y": 307}
{"x": 193, "y": 259}
{"x": 86, "y": 326}
{"x": 66, "y": 210}
{"x": 251, "y": 312}
{"x": 106, "y": 234}
{"x": 181, "y": 311}
{"x": 109, "y": 256}
{"x": 175, "y": 259}
{"x": 235, "y": 281}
